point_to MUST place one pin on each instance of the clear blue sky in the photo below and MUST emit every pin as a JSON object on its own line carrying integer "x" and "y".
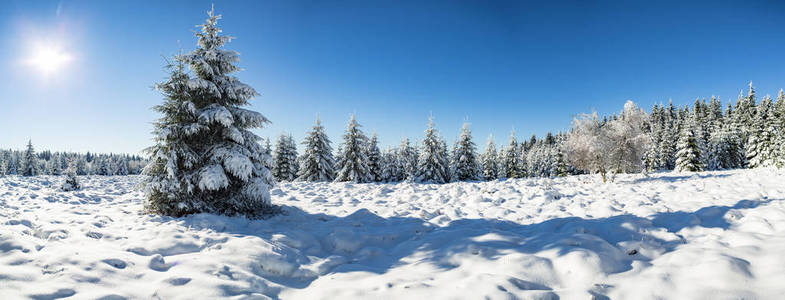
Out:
{"x": 530, "y": 66}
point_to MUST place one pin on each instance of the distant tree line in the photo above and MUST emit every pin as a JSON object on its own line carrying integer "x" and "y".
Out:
{"x": 704, "y": 136}
{"x": 31, "y": 163}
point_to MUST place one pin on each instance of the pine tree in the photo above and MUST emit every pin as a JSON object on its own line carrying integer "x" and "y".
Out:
{"x": 375, "y": 163}
{"x": 389, "y": 166}
{"x": 205, "y": 157}
{"x": 490, "y": 166}
{"x": 353, "y": 161}
{"x": 511, "y": 157}
{"x": 268, "y": 149}
{"x": 523, "y": 164}
{"x": 760, "y": 145}
{"x": 30, "y": 163}
{"x": 317, "y": 162}
{"x": 430, "y": 165}
{"x": 285, "y": 157}
{"x": 465, "y": 159}
{"x": 559, "y": 165}
{"x": 71, "y": 182}
{"x": 407, "y": 161}
{"x": 688, "y": 155}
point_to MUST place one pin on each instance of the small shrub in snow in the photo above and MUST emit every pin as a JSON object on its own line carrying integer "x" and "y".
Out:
{"x": 71, "y": 182}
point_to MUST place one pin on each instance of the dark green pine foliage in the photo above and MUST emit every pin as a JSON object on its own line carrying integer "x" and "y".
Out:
{"x": 205, "y": 157}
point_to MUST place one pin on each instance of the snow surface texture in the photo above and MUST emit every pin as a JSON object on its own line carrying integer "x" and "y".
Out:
{"x": 708, "y": 235}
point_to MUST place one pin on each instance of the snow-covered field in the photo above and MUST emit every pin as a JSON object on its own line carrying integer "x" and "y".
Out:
{"x": 709, "y": 235}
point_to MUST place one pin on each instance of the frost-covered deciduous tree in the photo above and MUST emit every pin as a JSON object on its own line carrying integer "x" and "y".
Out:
{"x": 627, "y": 140}
{"x": 688, "y": 154}
{"x": 30, "y": 163}
{"x": 490, "y": 163}
{"x": 352, "y": 160}
{"x": 317, "y": 162}
{"x": 586, "y": 145}
{"x": 285, "y": 165}
{"x": 617, "y": 146}
{"x": 205, "y": 157}
{"x": 430, "y": 164}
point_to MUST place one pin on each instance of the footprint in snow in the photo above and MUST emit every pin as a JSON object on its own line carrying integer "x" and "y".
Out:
{"x": 178, "y": 281}
{"x": 116, "y": 263}
{"x": 157, "y": 263}
{"x": 61, "y": 293}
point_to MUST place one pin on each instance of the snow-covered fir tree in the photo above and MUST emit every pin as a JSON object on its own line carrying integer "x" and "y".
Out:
{"x": 688, "y": 154}
{"x": 389, "y": 166}
{"x": 317, "y": 162}
{"x": 268, "y": 148}
{"x": 353, "y": 159}
{"x": 205, "y": 157}
{"x": 285, "y": 162}
{"x": 30, "y": 163}
{"x": 71, "y": 182}
{"x": 430, "y": 164}
{"x": 524, "y": 149}
{"x": 490, "y": 163}
{"x": 559, "y": 165}
{"x": 760, "y": 146}
{"x": 407, "y": 160}
{"x": 669, "y": 136}
{"x": 510, "y": 158}
{"x": 375, "y": 160}
{"x": 465, "y": 163}
{"x": 723, "y": 152}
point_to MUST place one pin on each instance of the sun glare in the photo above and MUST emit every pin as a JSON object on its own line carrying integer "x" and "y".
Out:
{"x": 49, "y": 59}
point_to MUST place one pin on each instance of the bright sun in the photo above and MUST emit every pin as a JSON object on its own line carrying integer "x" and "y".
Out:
{"x": 49, "y": 59}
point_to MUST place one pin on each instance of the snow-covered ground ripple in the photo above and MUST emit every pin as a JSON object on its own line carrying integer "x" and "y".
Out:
{"x": 708, "y": 235}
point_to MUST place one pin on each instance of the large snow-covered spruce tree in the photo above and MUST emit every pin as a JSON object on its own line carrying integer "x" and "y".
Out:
{"x": 465, "y": 163}
{"x": 317, "y": 162}
{"x": 430, "y": 164}
{"x": 352, "y": 160}
{"x": 205, "y": 157}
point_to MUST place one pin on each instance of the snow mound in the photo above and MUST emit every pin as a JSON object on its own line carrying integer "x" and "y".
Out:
{"x": 701, "y": 235}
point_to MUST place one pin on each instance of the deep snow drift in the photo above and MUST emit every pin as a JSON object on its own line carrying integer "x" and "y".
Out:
{"x": 708, "y": 235}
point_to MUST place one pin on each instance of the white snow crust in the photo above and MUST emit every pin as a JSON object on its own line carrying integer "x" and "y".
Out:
{"x": 706, "y": 235}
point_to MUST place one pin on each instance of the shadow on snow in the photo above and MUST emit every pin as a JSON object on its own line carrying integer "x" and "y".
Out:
{"x": 371, "y": 243}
